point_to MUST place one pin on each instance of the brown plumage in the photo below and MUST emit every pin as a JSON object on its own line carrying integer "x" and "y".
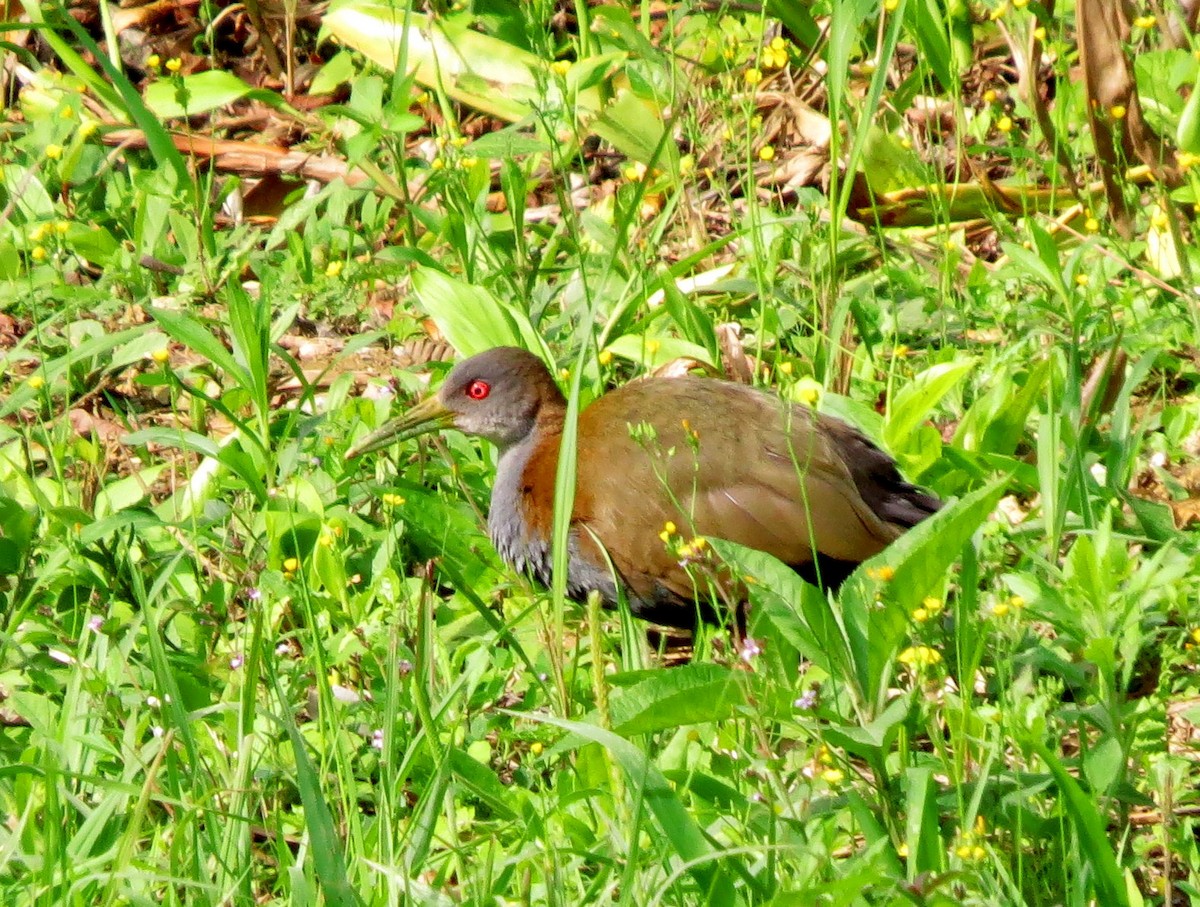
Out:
{"x": 713, "y": 458}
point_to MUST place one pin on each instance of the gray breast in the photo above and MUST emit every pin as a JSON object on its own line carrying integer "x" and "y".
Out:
{"x": 527, "y": 552}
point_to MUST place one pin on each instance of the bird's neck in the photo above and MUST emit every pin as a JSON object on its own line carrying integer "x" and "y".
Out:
{"x": 507, "y": 524}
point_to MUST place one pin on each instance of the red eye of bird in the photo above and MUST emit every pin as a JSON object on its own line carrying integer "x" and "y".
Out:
{"x": 478, "y": 390}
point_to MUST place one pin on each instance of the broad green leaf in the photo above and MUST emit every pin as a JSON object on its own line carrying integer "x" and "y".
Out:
{"x": 339, "y": 70}
{"x": 471, "y": 318}
{"x": 876, "y": 612}
{"x": 653, "y": 352}
{"x": 502, "y": 144}
{"x": 128, "y": 490}
{"x": 447, "y": 55}
{"x": 187, "y": 329}
{"x": 201, "y": 92}
{"x": 915, "y": 401}
{"x": 635, "y": 127}
{"x": 693, "y": 694}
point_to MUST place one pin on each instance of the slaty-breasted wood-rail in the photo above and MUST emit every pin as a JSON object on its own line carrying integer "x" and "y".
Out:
{"x": 721, "y": 460}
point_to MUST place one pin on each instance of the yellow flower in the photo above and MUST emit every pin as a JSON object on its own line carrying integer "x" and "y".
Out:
{"x": 54, "y": 152}
{"x": 40, "y": 232}
{"x": 919, "y": 657}
{"x": 635, "y": 172}
{"x": 605, "y": 357}
{"x": 881, "y": 574}
{"x": 468, "y": 162}
{"x": 1082, "y": 280}
{"x": 889, "y": 6}
{"x": 833, "y": 776}
{"x": 1159, "y": 220}
{"x": 687, "y": 164}
{"x": 61, "y": 227}
{"x": 38, "y": 253}
{"x": 669, "y": 527}
{"x": 154, "y": 61}
{"x": 1016, "y": 602}
{"x": 174, "y": 64}
{"x": 536, "y": 748}
{"x": 1000, "y": 609}
{"x": 391, "y": 499}
{"x": 1091, "y": 225}
{"x": 971, "y": 853}
{"x": 901, "y": 351}
{"x": 767, "y": 153}
{"x": 561, "y": 67}
{"x": 1004, "y": 124}
{"x": 1040, "y": 33}
{"x": 752, "y": 76}
{"x": 1117, "y": 111}
{"x": 1187, "y": 160}
{"x": 291, "y": 564}
{"x": 161, "y": 355}
{"x": 989, "y": 96}
{"x": 437, "y": 163}
{"x": 920, "y": 615}
{"x": 785, "y": 368}
{"x": 36, "y": 382}
{"x": 1145, "y": 21}
{"x": 652, "y": 346}
{"x": 933, "y": 605}
{"x": 773, "y": 56}
{"x": 334, "y": 268}
{"x": 998, "y": 12}
{"x": 1020, "y": 4}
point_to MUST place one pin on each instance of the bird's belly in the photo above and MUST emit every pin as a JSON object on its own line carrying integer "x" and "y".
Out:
{"x": 533, "y": 555}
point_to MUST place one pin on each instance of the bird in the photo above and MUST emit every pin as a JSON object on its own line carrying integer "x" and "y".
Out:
{"x": 663, "y": 465}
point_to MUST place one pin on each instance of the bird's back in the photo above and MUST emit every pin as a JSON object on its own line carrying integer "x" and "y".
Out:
{"x": 716, "y": 459}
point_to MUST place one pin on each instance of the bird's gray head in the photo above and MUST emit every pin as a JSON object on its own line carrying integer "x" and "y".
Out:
{"x": 498, "y": 394}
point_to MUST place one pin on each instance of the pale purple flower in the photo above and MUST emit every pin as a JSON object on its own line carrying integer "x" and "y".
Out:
{"x": 750, "y": 650}
{"x": 807, "y": 700}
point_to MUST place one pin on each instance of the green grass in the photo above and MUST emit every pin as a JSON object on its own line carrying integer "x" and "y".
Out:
{"x": 237, "y": 668}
